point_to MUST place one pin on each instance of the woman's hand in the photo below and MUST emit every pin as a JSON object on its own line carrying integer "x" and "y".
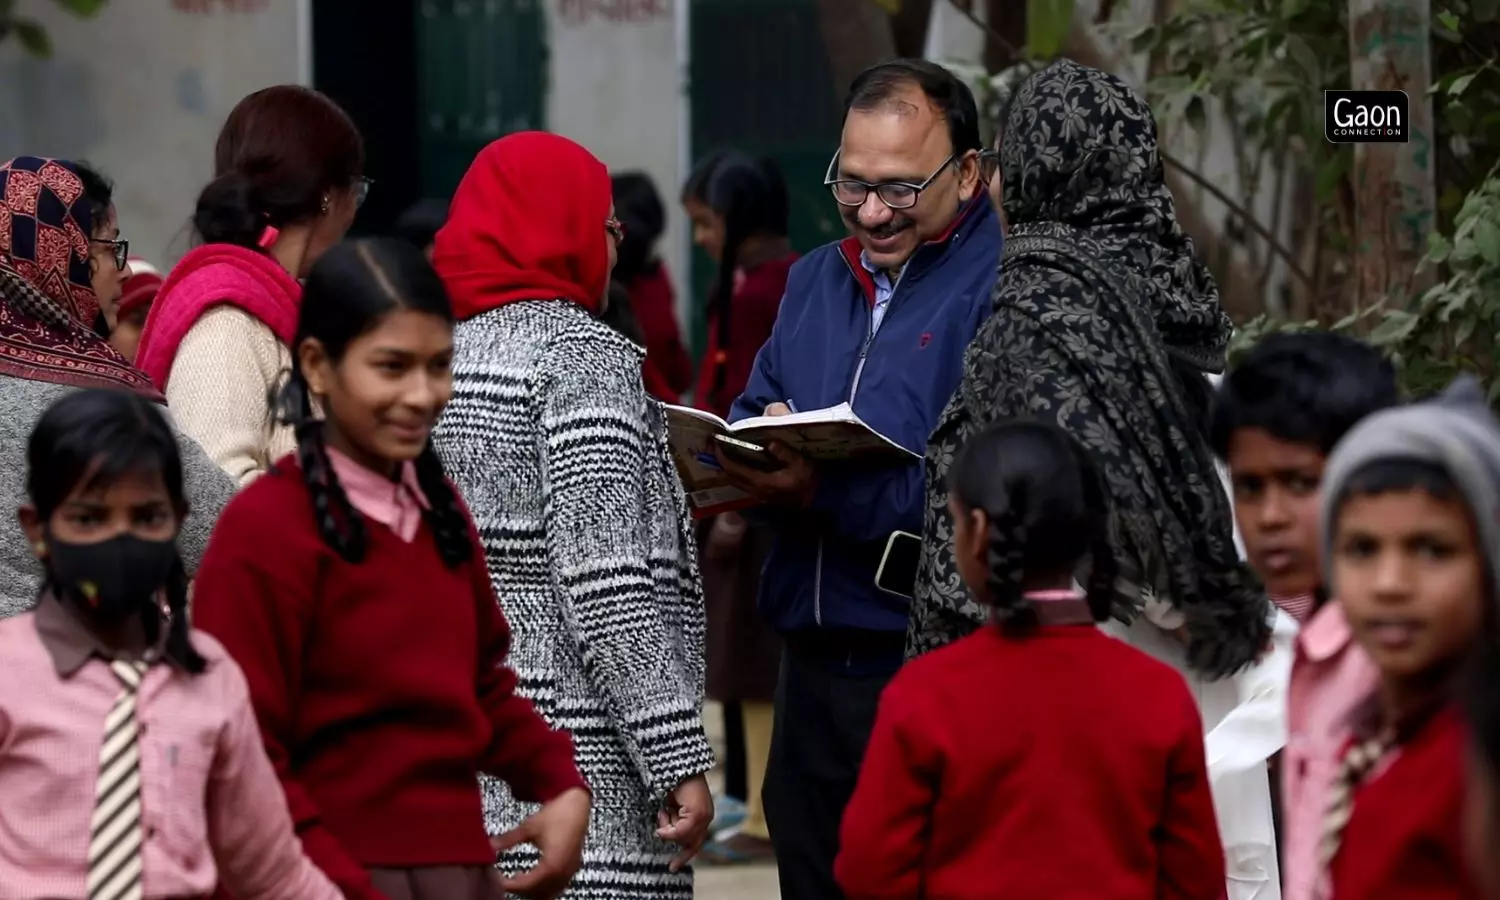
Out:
{"x": 685, "y": 820}
{"x": 556, "y": 830}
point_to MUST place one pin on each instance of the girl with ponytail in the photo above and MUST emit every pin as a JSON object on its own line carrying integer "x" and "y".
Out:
{"x": 351, "y": 586}
{"x": 739, "y": 208}
{"x": 106, "y": 651}
{"x": 1038, "y": 757}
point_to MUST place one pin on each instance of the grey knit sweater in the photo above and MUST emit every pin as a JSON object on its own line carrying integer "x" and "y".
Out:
{"x": 563, "y": 461}
{"x": 22, "y": 403}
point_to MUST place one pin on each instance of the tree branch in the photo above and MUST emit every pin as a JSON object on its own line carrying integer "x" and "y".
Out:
{"x": 1239, "y": 211}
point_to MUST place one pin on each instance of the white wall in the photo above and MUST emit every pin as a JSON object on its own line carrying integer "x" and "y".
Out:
{"x": 613, "y": 87}
{"x": 140, "y": 91}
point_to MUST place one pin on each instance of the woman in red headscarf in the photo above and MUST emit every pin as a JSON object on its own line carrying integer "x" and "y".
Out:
{"x": 563, "y": 461}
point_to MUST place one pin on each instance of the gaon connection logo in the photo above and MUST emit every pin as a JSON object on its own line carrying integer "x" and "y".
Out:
{"x": 1366, "y": 117}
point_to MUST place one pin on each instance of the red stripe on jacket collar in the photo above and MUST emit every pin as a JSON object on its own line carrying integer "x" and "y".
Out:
{"x": 851, "y": 249}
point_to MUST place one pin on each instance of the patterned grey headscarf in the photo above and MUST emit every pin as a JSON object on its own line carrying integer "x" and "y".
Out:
{"x": 1104, "y": 324}
{"x": 1079, "y": 151}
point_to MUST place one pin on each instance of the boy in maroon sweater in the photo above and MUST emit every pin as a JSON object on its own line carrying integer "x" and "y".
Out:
{"x": 1039, "y": 758}
{"x": 1409, "y": 533}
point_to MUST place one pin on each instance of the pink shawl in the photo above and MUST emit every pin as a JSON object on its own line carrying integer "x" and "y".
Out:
{"x": 214, "y": 275}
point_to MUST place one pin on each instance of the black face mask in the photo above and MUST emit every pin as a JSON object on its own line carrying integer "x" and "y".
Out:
{"x": 112, "y": 579}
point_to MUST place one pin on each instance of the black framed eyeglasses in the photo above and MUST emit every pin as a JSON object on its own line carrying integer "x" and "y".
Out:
{"x": 895, "y": 194}
{"x": 119, "y": 249}
{"x": 362, "y": 190}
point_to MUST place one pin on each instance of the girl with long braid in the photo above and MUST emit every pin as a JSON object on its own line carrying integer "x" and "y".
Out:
{"x": 351, "y": 586}
{"x": 1038, "y": 757}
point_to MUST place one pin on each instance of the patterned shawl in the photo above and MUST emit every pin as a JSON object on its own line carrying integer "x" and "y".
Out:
{"x": 47, "y": 302}
{"x": 1101, "y": 315}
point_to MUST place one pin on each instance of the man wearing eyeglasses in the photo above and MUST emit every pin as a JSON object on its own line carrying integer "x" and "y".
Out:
{"x": 880, "y": 321}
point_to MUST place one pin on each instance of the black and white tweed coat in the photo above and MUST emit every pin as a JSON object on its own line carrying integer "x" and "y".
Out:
{"x": 562, "y": 459}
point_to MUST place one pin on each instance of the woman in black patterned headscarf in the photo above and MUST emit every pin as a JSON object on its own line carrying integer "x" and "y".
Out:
{"x": 1106, "y": 324}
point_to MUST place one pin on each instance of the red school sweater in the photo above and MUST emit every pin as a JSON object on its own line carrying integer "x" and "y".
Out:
{"x": 381, "y": 687}
{"x": 752, "y": 315}
{"x": 1062, "y": 766}
{"x": 668, "y": 370}
{"x": 1404, "y": 839}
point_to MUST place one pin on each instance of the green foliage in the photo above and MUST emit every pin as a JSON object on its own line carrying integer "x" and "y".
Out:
{"x": 1454, "y": 326}
{"x": 1265, "y": 64}
{"x": 1047, "y": 24}
{"x": 33, "y": 37}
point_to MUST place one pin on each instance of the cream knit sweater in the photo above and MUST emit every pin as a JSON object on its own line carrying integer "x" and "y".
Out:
{"x": 219, "y": 391}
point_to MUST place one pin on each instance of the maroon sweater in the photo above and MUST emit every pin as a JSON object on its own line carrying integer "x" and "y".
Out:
{"x": 1404, "y": 840}
{"x": 1067, "y": 766}
{"x": 381, "y": 688}
{"x": 668, "y": 370}
{"x": 752, "y": 315}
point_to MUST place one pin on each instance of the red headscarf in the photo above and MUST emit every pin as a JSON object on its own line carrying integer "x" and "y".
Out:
{"x": 47, "y": 303}
{"x": 527, "y": 223}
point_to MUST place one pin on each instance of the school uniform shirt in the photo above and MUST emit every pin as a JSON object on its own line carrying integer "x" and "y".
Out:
{"x": 1062, "y": 766}
{"x": 1331, "y": 676}
{"x": 1404, "y": 837}
{"x": 211, "y": 809}
{"x": 381, "y": 687}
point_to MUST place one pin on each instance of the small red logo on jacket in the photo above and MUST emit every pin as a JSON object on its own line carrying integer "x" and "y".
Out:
{"x": 924, "y": 340}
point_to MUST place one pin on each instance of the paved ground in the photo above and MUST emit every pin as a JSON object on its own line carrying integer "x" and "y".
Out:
{"x": 732, "y": 882}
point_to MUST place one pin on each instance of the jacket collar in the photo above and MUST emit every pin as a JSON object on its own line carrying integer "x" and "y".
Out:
{"x": 971, "y": 217}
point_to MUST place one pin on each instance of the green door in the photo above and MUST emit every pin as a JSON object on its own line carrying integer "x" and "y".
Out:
{"x": 760, "y": 83}
{"x": 482, "y": 68}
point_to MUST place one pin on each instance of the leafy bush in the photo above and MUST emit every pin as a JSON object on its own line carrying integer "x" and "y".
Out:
{"x": 1455, "y": 325}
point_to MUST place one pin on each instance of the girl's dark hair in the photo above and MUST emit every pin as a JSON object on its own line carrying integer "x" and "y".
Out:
{"x": 280, "y": 153}
{"x": 751, "y": 196}
{"x": 639, "y": 208}
{"x": 92, "y": 438}
{"x": 1308, "y": 389}
{"x": 1386, "y": 476}
{"x": 620, "y": 315}
{"x": 1048, "y": 513}
{"x": 422, "y": 221}
{"x": 98, "y": 190}
{"x": 349, "y": 290}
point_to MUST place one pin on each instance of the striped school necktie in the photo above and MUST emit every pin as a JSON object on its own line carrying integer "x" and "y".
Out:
{"x": 1358, "y": 762}
{"x": 115, "y": 831}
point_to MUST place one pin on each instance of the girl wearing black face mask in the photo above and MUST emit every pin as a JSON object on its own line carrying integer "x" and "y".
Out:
{"x": 130, "y": 758}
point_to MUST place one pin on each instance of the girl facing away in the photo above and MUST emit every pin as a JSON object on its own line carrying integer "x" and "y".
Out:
{"x": 1105, "y": 792}
{"x": 1408, "y": 534}
{"x": 368, "y": 629}
{"x": 130, "y": 762}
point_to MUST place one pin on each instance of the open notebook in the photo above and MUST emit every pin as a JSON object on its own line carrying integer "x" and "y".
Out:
{"x": 834, "y": 434}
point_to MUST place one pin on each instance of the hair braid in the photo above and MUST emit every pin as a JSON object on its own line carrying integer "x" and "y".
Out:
{"x": 1007, "y": 575}
{"x": 179, "y": 647}
{"x": 445, "y": 514}
{"x": 339, "y": 524}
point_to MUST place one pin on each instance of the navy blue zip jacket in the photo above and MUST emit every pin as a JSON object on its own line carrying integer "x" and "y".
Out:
{"x": 821, "y": 571}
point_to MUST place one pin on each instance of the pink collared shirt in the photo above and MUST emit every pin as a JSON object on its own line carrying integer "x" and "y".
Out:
{"x": 211, "y": 806}
{"x": 395, "y": 503}
{"x": 1331, "y": 675}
